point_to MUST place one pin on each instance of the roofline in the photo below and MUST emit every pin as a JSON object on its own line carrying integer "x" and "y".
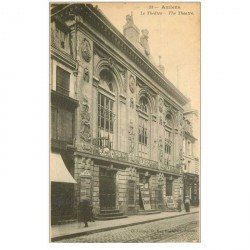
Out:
{"x": 176, "y": 93}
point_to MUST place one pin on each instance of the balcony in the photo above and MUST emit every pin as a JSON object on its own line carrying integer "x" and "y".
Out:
{"x": 125, "y": 158}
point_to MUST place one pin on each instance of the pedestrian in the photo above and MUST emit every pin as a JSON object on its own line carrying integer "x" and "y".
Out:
{"x": 91, "y": 213}
{"x": 187, "y": 203}
{"x": 85, "y": 213}
{"x": 179, "y": 203}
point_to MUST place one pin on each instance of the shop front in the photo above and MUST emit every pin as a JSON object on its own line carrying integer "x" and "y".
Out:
{"x": 191, "y": 188}
{"x": 62, "y": 186}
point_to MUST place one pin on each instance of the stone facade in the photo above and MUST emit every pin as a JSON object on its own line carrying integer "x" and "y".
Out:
{"x": 102, "y": 63}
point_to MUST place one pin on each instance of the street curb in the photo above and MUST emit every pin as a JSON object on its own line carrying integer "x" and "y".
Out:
{"x": 67, "y": 236}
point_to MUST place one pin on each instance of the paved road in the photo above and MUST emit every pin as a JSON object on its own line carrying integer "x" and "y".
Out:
{"x": 179, "y": 229}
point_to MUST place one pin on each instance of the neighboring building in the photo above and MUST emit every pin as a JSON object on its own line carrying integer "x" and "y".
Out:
{"x": 115, "y": 118}
{"x": 191, "y": 156}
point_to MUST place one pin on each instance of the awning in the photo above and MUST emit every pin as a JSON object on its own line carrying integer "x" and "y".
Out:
{"x": 58, "y": 170}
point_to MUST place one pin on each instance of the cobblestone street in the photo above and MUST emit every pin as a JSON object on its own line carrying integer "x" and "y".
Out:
{"x": 179, "y": 229}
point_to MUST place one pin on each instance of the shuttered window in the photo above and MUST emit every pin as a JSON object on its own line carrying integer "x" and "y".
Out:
{"x": 62, "y": 124}
{"x": 62, "y": 81}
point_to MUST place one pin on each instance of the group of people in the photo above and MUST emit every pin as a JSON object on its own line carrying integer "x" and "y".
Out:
{"x": 86, "y": 211}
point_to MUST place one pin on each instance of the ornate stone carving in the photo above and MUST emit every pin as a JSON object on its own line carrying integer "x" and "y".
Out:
{"x": 160, "y": 120}
{"x": 169, "y": 108}
{"x": 129, "y": 19}
{"x": 111, "y": 63}
{"x": 86, "y": 50}
{"x": 144, "y": 41}
{"x": 131, "y": 138}
{"x": 132, "y": 84}
{"x": 85, "y": 173}
{"x": 160, "y": 105}
{"x": 131, "y": 173}
{"x": 160, "y": 178}
{"x": 85, "y": 133}
{"x": 86, "y": 75}
{"x": 132, "y": 103}
{"x": 160, "y": 148}
{"x": 180, "y": 118}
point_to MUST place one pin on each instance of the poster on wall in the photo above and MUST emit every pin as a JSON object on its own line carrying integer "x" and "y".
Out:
{"x": 170, "y": 202}
{"x": 145, "y": 195}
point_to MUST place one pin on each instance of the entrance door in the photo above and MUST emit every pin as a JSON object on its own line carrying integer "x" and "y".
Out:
{"x": 107, "y": 189}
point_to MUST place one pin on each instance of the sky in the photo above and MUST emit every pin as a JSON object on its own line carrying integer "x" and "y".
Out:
{"x": 174, "y": 37}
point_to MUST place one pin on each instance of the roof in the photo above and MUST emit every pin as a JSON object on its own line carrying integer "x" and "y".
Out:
{"x": 89, "y": 12}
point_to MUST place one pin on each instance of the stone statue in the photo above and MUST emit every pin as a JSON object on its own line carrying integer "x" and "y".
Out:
{"x": 144, "y": 41}
{"x": 129, "y": 19}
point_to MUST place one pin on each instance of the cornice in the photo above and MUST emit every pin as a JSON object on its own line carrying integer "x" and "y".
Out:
{"x": 111, "y": 33}
{"x": 63, "y": 100}
{"x": 137, "y": 166}
{"x": 189, "y": 136}
{"x": 94, "y": 17}
{"x": 108, "y": 51}
{"x": 63, "y": 57}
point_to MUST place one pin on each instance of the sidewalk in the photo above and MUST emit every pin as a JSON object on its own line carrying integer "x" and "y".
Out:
{"x": 59, "y": 232}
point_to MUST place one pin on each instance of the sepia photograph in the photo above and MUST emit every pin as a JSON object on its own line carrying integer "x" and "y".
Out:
{"x": 124, "y": 122}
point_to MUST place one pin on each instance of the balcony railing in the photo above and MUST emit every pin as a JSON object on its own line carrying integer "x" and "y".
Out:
{"x": 127, "y": 158}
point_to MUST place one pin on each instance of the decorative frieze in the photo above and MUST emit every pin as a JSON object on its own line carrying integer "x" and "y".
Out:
{"x": 85, "y": 132}
{"x": 132, "y": 103}
{"x": 132, "y": 174}
{"x": 160, "y": 148}
{"x": 131, "y": 138}
{"x": 160, "y": 178}
{"x": 86, "y": 75}
{"x": 132, "y": 84}
{"x": 161, "y": 105}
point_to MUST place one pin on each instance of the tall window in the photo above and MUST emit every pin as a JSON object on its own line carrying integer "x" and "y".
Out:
{"x": 189, "y": 148}
{"x": 169, "y": 138}
{"x": 143, "y": 137}
{"x": 143, "y": 104}
{"x": 62, "y": 81}
{"x": 143, "y": 129}
{"x": 105, "y": 121}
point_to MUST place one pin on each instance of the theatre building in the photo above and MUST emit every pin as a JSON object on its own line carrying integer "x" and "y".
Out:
{"x": 116, "y": 120}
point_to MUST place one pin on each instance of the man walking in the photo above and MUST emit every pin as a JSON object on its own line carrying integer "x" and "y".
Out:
{"x": 85, "y": 212}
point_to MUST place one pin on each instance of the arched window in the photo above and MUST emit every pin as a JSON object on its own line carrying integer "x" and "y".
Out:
{"x": 107, "y": 79}
{"x": 106, "y": 113}
{"x": 169, "y": 139}
{"x": 143, "y": 131}
{"x": 143, "y": 103}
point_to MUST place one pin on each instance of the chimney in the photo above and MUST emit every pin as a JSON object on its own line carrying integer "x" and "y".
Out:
{"x": 161, "y": 67}
{"x": 144, "y": 41}
{"x": 130, "y": 31}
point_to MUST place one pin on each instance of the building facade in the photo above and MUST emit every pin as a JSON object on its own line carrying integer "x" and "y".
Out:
{"x": 191, "y": 166}
{"x": 116, "y": 120}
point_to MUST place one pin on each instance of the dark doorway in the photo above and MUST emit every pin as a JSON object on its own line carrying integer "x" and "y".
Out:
{"x": 62, "y": 202}
{"x": 107, "y": 186}
{"x": 169, "y": 187}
